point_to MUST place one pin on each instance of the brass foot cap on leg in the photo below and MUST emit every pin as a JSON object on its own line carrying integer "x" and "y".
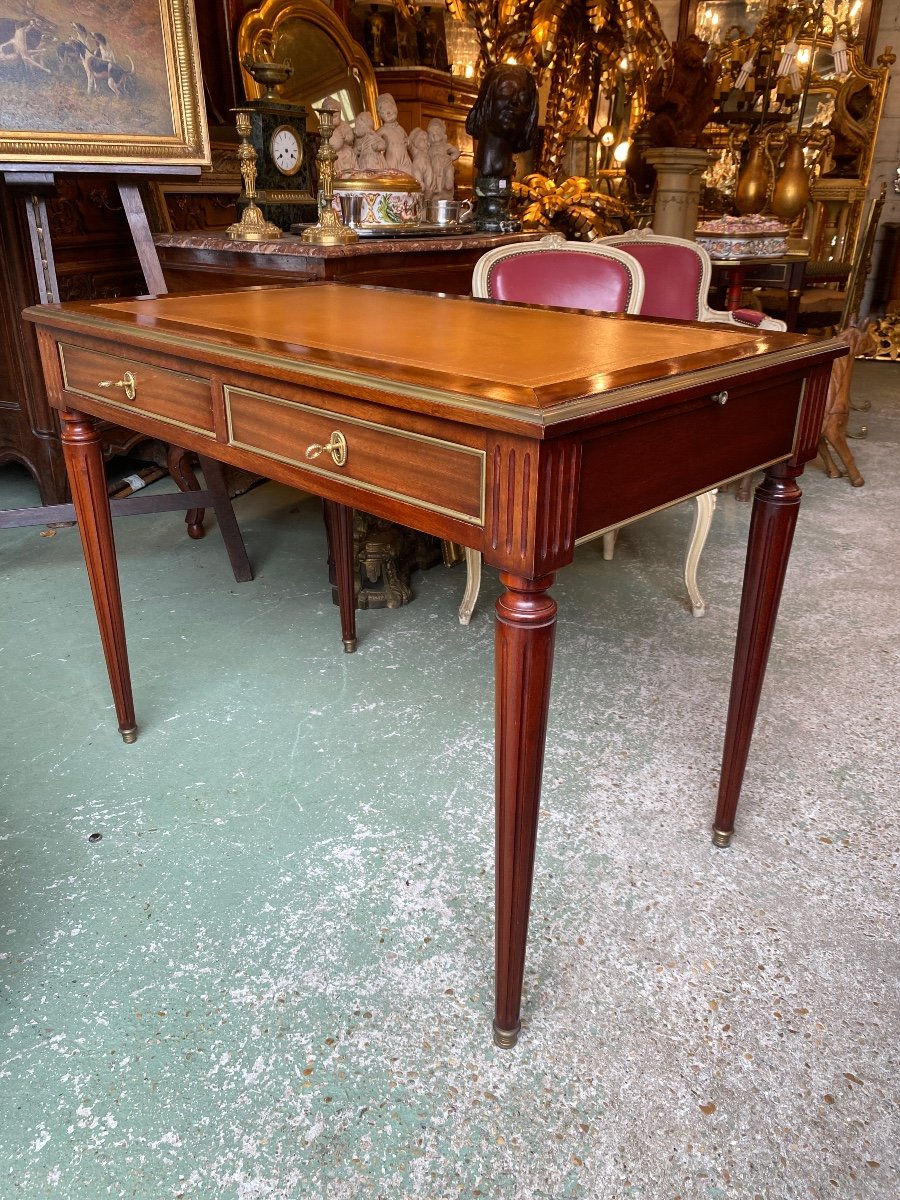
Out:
{"x": 722, "y": 837}
{"x": 130, "y": 734}
{"x": 349, "y": 645}
{"x": 506, "y": 1038}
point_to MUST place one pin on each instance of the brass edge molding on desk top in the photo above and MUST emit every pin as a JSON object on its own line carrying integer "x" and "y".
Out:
{"x": 475, "y": 452}
{"x": 708, "y": 376}
{"x": 538, "y": 418}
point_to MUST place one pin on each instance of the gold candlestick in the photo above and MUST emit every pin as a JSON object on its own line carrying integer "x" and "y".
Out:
{"x": 253, "y": 226}
{"x": 330, "y": 230}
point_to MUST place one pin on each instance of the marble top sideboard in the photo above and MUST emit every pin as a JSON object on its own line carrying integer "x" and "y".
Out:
{"x": 435, "y": 264}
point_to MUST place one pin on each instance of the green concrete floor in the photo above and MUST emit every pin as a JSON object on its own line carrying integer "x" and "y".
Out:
{"x": 270, "y": 976}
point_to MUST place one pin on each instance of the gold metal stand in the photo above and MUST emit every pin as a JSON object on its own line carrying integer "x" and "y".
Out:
{"x": 330, "y": 229}
{"x": 253, "y": 226}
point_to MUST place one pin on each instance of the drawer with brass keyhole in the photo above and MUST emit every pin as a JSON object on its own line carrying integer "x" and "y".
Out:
{"x": 173, "y": 397}
{"x": 428, "y": 472}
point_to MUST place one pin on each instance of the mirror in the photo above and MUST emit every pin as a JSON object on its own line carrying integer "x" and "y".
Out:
{"x": 847, "y": 107}
{"x": 326, "y": 60}
{"x": 715, "y": 20}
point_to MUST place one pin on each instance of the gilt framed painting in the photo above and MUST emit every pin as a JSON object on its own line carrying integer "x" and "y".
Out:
{"x": 90, "y": 82}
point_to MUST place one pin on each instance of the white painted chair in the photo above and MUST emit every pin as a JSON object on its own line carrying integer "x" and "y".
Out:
{"x": 587, "y": 275}
{"x": 677, "y": 275}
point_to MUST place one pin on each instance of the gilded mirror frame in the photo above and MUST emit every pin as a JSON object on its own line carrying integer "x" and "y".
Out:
{"x": 835, "y": 94}
{"x": 259, "y": 31}
{"x": 868, "y": 25}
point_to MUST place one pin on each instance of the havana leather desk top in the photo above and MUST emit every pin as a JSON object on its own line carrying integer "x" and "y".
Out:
{"x": 512, "y": 430}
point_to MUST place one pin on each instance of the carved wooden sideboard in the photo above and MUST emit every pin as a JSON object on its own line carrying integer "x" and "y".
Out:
{"x": 192, "y": 261}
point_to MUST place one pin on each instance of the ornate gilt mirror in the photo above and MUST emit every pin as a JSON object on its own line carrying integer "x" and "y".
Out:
{"x": 714, "y": 20}
{"x": 833, "y": 107}
{"x": 844, "y": 107}
{"x": 326, "y": 61}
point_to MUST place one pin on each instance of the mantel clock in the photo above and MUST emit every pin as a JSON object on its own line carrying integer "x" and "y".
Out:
{"x": 285, "y": 161}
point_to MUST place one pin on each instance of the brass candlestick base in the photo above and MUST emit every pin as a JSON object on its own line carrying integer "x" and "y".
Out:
{"x": 330, "y": 230}
{"x": 253, "y": 226}
{"x": 330, "y": 233}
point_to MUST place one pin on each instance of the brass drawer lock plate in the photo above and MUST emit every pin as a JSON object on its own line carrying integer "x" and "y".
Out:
{"x": 127, "y": 382}
{"x": 337, "y": 448}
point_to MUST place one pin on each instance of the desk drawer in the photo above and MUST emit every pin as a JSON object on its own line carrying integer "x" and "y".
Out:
{"x": 429, "y": 472}
{"x": 180, "y": 400}
{"x": 653, "y": 462}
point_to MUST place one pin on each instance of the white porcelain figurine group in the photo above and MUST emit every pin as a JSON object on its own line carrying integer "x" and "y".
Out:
{"x": 373, "y": 169}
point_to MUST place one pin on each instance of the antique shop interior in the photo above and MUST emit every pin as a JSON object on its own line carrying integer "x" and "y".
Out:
{"x": 490, "y": 268}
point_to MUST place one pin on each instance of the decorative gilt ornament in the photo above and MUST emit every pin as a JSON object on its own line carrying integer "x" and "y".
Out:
{"x": 267, "y": 74}
{"x": 330, "y": 229}
{"x": 253, "y": 226}
{"x": 754, "y": 181}
{"x": 571, "y": 207}
{"x": 791, "y": 192}
{"x": 580, "y": 44}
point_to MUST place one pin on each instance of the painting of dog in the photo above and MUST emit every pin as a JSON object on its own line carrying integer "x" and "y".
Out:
{"x": 110, "y": 84}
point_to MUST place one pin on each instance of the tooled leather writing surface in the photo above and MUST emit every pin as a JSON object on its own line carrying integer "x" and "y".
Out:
{"x": 526, "y": 351}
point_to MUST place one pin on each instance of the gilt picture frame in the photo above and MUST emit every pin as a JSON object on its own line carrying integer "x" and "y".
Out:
{"x": 79, "y": 87}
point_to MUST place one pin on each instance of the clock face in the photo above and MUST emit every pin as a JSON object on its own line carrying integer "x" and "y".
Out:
{"x": 284, "y": 146}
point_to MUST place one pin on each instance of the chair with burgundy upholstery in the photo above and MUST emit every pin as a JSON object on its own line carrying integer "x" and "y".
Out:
{"x": 676, "y": 280}
{"x": 563, "y": 274}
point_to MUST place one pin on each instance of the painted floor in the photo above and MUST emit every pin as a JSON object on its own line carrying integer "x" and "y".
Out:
{"x": 251, "y": 955}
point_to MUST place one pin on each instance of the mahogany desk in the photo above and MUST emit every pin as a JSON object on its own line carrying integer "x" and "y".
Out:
{"x": 512, "y": 430}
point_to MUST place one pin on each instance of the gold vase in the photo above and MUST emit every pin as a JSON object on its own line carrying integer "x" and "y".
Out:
{"x": 791, "y": 193}
{"x": 752, "y": 189}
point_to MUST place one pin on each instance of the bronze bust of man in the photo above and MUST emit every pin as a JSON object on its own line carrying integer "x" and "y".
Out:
{"x": 503, "y": 122}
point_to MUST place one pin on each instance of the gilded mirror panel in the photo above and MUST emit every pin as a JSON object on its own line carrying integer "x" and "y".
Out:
{"x": 326, "y": 60}
{"x": 714, "y": 20}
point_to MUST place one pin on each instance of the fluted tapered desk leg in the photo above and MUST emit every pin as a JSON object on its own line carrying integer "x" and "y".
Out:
{"x": 87, "y": 479}
{"x": 525, "y": 634}
{"x": 776, "y": 506}
{"x": 339, "y": 522}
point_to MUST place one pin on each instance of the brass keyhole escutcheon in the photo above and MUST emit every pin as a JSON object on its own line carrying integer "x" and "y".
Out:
{"x": 128, "y": 382}
{"x": 337, "y": 448}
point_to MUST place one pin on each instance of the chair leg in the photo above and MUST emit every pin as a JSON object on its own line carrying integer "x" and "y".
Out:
{"x": 226, "y": 519}
{"x": 703, "y": 515}
{"x": 608, "y": 543}
{"x": 473, "y": 585}
{"x": 179, "y": 467}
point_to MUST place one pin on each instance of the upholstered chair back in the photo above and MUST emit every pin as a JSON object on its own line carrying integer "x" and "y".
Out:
{"x": 561, "y": 274}
{"x": 676, "y": 280}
